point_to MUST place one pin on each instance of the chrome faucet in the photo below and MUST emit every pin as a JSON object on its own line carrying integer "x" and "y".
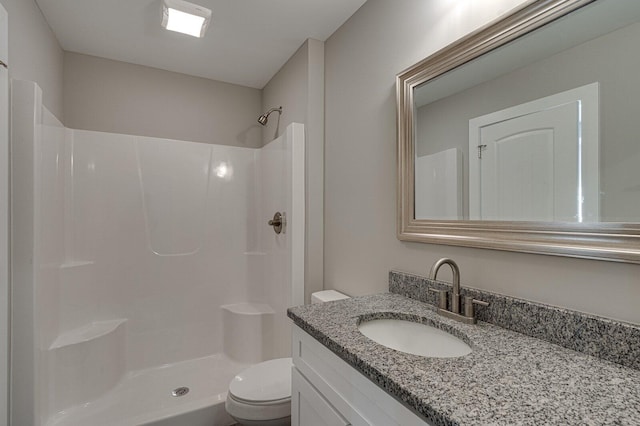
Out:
{"x": 469, "y": 301}
{"x": 455, "y": 297}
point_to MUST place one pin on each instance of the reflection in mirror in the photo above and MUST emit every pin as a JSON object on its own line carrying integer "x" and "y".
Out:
{"x": 522, "y": 137}
{"x": 540, "y": 129}
{"x": 537, "y": 161}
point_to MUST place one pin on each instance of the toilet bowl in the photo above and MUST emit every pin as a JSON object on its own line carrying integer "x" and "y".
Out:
{"x": 261, "y": 394}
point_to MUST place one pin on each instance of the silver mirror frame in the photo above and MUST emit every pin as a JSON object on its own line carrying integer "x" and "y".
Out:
{"x": 618, "y": 242}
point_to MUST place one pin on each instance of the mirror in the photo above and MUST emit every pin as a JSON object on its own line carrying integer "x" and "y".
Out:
{"x": 521, "y": 136}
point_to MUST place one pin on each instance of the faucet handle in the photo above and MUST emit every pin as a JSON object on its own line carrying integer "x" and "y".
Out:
{"x": 469, "y": 301}
{"x": 442, "y": 297}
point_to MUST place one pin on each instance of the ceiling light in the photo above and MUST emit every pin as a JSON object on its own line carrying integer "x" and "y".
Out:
{"x": 185, "y": 17}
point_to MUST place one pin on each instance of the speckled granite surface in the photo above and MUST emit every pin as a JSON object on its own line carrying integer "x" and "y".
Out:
{"x": 611, "y": 340}
{"x": 508, "y": 379}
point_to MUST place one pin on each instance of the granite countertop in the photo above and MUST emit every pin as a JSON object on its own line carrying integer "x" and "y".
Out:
{"x": 508, "y": 379}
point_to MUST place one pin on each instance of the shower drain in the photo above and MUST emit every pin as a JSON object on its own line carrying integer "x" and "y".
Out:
{"x": 181, "y": 391}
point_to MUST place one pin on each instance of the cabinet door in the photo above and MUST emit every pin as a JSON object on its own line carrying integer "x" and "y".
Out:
{"x": 308, "y": 406}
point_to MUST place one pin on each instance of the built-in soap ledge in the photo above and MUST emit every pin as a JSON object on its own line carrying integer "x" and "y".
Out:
{"x": 248, "y": 331}
{"x": 248, "y": 308}
{"x": 77, "y": 264}
{"x": 88, "y": 332}
{"x": 86, "y": 362}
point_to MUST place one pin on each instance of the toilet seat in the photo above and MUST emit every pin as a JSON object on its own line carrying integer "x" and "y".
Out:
{"x": 261, "y": 392}
{"x": 263, "y": 382}
{"x": 242, "y": 411}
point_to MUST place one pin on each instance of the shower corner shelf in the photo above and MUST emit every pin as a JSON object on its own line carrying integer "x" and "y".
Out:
{"x": 76, "y": 264}
{"x": 247, "y": 308}
{"x": 86, "y": 333}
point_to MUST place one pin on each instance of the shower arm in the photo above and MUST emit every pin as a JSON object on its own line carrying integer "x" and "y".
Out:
{"x": 279, "y": 109}
{"x": 264, "y": 118}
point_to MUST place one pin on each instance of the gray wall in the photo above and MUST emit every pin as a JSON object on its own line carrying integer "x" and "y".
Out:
{"x": 445, "y": 123}
{"x": 287, "y": 88}
{"x": 34, "y": 52}
{"x": 362, "y": 60}
{"x": 118, "y": 97}
{"x": 299, "y": 88}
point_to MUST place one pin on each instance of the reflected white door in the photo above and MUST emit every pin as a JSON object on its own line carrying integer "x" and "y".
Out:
{"x": 526, "y": 172}
{"x": 4, "y": 216}
{"x": 531, "y": 160}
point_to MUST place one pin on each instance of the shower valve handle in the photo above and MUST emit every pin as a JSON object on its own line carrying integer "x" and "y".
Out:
{"x": 277, "y": 222}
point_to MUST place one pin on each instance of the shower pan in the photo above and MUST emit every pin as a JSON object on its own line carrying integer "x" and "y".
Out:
{"x": 145, "y": 273}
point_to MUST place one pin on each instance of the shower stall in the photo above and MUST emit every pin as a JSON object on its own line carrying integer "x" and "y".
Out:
{"x": 145, "y": 274}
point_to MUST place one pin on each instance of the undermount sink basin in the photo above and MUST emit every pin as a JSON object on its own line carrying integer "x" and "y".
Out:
{"x": 414, "y": 338}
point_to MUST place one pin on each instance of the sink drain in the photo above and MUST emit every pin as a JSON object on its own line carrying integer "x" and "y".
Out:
{"x": 181, "y": 391}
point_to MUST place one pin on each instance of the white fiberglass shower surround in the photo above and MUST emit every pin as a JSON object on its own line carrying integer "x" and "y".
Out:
{"x": 143, "y": 265}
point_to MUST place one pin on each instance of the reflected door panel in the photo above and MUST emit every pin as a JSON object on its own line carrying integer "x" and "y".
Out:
{"x": 530, "y": 162}
{"x": 519, "y": 179}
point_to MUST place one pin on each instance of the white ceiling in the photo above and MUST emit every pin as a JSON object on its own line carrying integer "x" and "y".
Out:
{"x": 247, "y": 42}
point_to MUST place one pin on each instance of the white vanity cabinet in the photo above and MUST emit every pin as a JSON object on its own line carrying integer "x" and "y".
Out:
{"x": 310, "y": 407}
{"x": 328, "y": 391}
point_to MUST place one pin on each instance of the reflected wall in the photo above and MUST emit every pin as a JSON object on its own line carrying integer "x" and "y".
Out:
{"x": 444, "y": 123}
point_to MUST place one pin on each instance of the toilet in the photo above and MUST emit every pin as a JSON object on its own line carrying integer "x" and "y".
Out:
{"x": 261, "y": 394}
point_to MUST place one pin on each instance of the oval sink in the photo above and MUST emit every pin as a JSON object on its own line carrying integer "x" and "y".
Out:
{"x": 414, "y": 338}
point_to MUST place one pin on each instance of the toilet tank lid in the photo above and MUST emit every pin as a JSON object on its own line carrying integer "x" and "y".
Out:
{"x": 263, "y": 382}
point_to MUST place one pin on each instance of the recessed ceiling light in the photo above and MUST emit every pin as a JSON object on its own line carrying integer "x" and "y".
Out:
{"x": 185, "y": 17}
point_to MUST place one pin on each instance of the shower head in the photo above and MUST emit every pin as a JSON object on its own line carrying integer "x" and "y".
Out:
{"x": 265, "y": 117}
